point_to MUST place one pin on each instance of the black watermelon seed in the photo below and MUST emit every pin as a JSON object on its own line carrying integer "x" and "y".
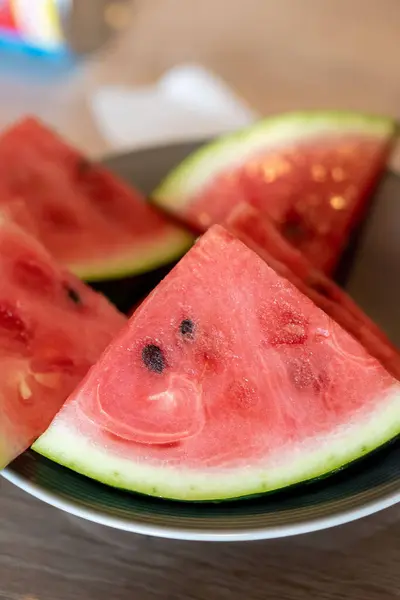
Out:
{"x": 83, "y": 166}
{"x": 153, "y": 358}
{"x": 187, "y": 328}
{"x": 293, "y": 227}
{"x": 73, "y": 294}
{"x": 293, "y": 231}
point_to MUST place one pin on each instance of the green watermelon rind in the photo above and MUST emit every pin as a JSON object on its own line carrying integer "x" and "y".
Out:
{"x": 182, "y": 183}
{"x": 157, "y": 252}
{"x": 4, "y": 452}
{"x": 69, "y": 448}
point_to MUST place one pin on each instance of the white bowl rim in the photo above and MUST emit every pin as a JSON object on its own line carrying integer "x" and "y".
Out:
{"x": 203, "y": 534}
{"x": 309, "y": 525}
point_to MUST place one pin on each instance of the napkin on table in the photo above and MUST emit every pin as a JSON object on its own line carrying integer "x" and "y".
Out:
{"x": 188, "y": 102}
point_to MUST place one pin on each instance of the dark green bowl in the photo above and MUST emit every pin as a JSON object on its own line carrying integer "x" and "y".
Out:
{"x": 371, "y": 272}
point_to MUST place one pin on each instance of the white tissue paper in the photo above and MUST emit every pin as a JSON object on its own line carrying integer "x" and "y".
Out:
{"x": 188, "y": 102}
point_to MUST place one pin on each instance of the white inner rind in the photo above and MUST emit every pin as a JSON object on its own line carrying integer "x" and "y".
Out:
{"x": 140, "y": 259}
{"x": 309, "y": 459}
{"x": 233, "y": 150}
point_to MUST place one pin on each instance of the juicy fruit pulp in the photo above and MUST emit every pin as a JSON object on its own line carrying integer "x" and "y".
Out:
{"x": 52, "y": 329}
{"x": 311, "y": 173}
{"x": 226, "y": 382}
{"x": 86, "y": 217}
{"x": 260, "y": 233}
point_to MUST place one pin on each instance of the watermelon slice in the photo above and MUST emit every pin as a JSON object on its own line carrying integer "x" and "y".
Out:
{"x": 226, "y": 382}
{"x": 86, "y": 217}
{"x": 52, "y": 329}
{"x": 312, "y": 173}
{"x": 260, "y": 233}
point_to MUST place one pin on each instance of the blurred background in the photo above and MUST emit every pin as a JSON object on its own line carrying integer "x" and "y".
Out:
{"x": 275, "y": 55}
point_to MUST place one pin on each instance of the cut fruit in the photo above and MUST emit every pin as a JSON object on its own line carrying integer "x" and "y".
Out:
{"x": 260, "y": 234}
{"x": 86, "y": 217}
{"x": 312, "y": 173}
{"x": 52, "y": 329}
{"x": 226, "y": 382}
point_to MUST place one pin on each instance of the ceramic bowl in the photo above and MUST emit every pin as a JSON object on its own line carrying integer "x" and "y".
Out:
{"x": 369, "y": 272}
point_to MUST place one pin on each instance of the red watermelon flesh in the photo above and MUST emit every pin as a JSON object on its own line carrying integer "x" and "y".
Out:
{"x": 84, "y": 215}
{"x": 226, "y": 382}
{"x": 52, "y": 329}
{"x": 260, "y": 233}
{"x": 312, "y": 174}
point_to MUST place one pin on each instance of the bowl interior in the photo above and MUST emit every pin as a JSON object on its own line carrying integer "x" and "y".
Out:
{"x": 368, "y": 272}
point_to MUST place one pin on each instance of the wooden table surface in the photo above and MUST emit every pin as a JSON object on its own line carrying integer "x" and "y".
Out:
{"x": 278, "y": 55}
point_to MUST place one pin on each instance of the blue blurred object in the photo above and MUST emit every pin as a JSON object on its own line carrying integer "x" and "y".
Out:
{"x": 38, "y": 37}
{"x": 18, "y": 61}
{"x": 10, "y": 41}
{"x": 21, "y": 60}
{"x": 33, "y": 39}
{"x": 34, "y": 25}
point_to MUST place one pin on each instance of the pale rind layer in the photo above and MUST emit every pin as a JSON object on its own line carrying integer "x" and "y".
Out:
{"x": 312, "y": 458}
{"x": 150, "y": 254}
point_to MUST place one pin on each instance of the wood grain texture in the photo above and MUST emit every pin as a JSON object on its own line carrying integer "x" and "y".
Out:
{"x": 278, "y": 55}
{"x": 48, "y": 555}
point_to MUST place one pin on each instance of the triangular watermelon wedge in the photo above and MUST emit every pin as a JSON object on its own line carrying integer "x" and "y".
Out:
{"x": 52, "y": 329}
{"x": 84, "y": 215}
{"x": 260, "y": 234}
{"x": 312, "y": 173}
{"x": 226, "y": 382}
